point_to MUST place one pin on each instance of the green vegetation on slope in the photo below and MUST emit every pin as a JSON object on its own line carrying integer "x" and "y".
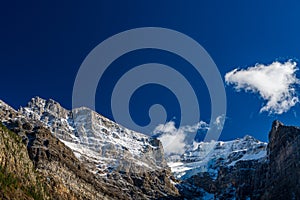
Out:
{"x": 18, "y": 180}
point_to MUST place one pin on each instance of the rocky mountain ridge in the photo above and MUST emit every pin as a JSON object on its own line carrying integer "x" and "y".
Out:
{"x": 96, "y": 139}
{"x": 80, "y": 154}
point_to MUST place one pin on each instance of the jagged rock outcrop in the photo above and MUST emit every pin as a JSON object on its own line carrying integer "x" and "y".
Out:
{"x": 283, "y": 175}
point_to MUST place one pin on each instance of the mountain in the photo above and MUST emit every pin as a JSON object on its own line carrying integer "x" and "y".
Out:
{"x": 246, "y": 168}
{"x": 96, "y": 159}
{"x": 49, "y": 152}
{"x": 210, "y": 156}
{"x": 96, "y": 140}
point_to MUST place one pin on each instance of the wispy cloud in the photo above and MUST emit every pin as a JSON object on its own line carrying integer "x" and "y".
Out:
{"x": 275, "y": 83}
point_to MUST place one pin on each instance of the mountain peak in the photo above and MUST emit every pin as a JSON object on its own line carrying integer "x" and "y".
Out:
{"x": 40, "y": 102}
{"x": 276, "y": 124}
{"x": 6, "y": 106}
{"x": 37, "y": 99}
{"x": 38, "y": 108}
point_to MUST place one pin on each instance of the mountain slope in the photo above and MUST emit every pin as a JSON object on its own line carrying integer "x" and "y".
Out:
{"x": 18, "y": 180}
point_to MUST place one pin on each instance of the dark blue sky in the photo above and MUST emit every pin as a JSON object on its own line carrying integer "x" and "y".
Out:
{"x": 42, "y": 46}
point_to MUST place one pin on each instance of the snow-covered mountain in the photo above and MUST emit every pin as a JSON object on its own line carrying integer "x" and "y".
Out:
{"x": 92, "y": 157}
{"x": 210, "y": 156}
{"x": 104, "y": 144}
{"x": 95, "y": 139}
{"x": 88, "y": 155}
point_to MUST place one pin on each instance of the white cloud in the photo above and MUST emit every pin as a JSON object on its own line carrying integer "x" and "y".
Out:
{"x": 219, "y": 123}
{"x": 275, "y": 83}
{"x": 174, "y": 140}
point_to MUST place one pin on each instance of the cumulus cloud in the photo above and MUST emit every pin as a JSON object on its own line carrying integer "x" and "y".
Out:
{"x": 275, "y": 83}
{"x": 174, "y": 140}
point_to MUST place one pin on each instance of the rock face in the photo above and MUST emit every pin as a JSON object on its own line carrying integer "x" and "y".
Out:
{"x": 283, "y": 175}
